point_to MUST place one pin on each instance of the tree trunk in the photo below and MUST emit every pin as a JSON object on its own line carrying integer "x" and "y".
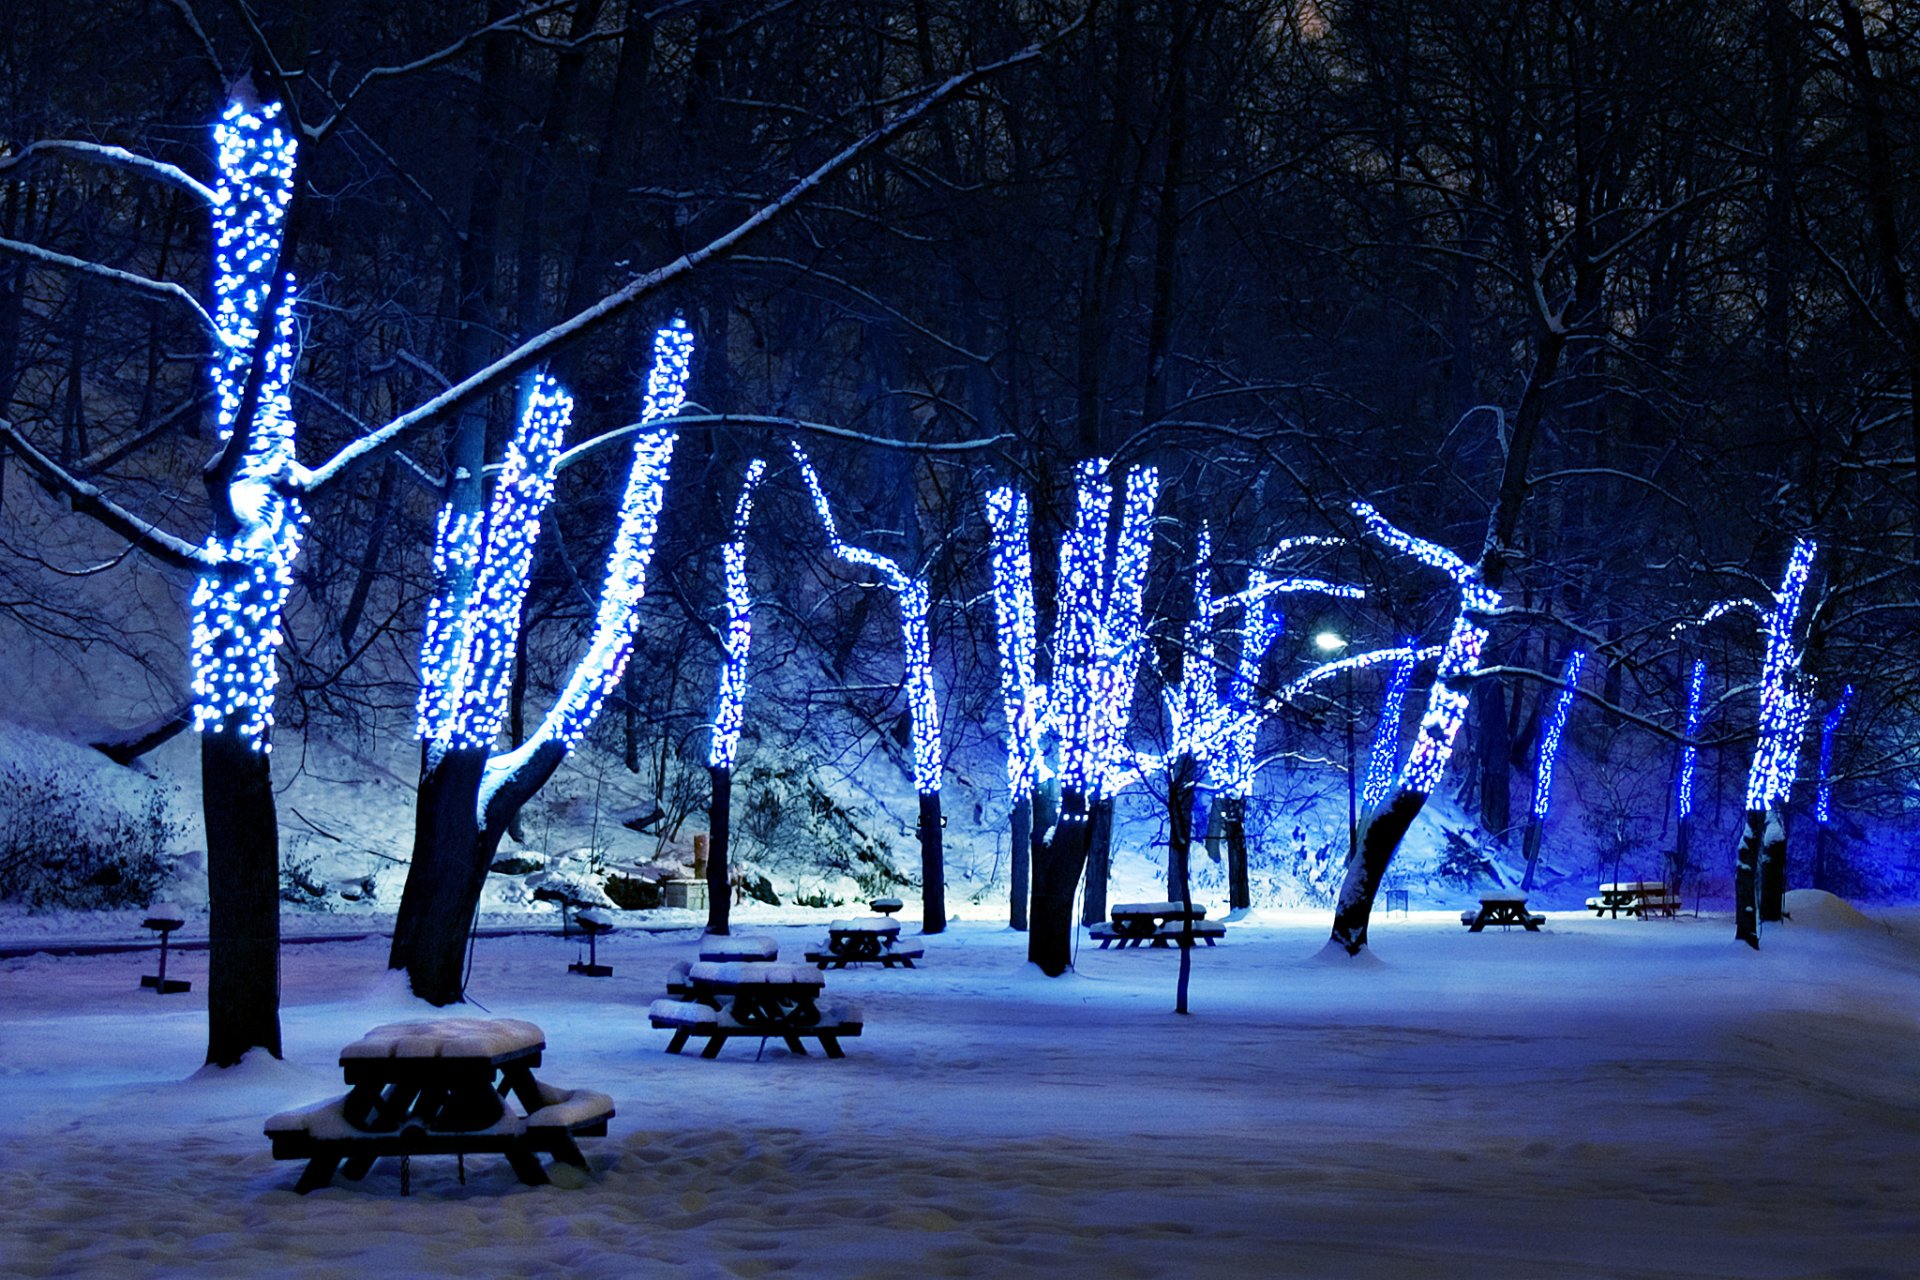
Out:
{"x": 1493, "y": 745}
{"x": 719, "y": 827}
{"x": 1682, "y": 838}
{"x": 436, "y": 907}
{"x": 1234, "y": 818}
{"x": 1746, "y": 868}
{"x": 1380, "y": 836}
{"x": 1773, "y": 869}
{"x": 1099, "y": 859}
{"x": 1179, "y": 825}
{"x": 1021, "y": 837}
{"x": 1056, "y": 871}
{"x": 1822, "y": 876}
{"x": 1530, "y": 847}
{"x": 243, "y": 884}
{"x": 933, "y": 870}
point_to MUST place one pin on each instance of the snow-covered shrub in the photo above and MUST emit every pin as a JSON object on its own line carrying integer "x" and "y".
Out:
{"x": 66, "y": 843}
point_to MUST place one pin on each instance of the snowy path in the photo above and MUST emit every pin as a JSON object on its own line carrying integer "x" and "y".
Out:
{"x": 1603, "y": 1099}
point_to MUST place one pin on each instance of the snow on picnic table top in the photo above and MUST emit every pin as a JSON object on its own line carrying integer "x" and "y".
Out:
{"x": 1156, "y": 909}
{"x": 1634, "y": 886}
{"x": 864, "y": 925}
{"x": 747, "y": 946}
{"x": 447, "y": 1038}
{"x": 739, "y": 973}
{"x": 1503, "y": 897}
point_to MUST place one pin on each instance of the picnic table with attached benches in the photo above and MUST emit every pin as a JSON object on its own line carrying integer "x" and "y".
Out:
{"x": 1643, "y": 898}
{"x": 727, "y": 998}
{"x": 1503, "y": 909}
{"x": 439, "y": 1088}
{"x": 1138, "y": 924}
{"x": 864, "y": 941}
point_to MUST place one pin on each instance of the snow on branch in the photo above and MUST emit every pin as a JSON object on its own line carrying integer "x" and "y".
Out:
{"x": 161, "y": 290}
{"x": 117, "y": 157}
{"x": 86, "y": 498}
{"x": 541, "y": 346}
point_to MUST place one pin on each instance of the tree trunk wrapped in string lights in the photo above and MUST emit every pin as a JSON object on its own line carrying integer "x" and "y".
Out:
{"x": 922, "y": 709}
{"x": 1683, "y": 785}
{"x": 1823, "y": 789}
{"x": 468, "y": 794}
{"x": 730, "y": 705}
{"x": 1544, "y": 757}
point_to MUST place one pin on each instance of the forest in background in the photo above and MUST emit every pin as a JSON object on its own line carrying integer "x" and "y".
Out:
{"x": 1289, "y": 254}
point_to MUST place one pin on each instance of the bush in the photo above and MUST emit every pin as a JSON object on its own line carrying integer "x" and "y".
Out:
{"x": 67, "y": 844}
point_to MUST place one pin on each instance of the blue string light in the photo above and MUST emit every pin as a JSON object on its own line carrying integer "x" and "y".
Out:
{"x": 611, "y": 644}
{"x": 236, "y": 606}
{"x": 731, "y": 711}
{"x": 1017, "y": 631}
{"x": 1823, "y": 792}
{"x": 1385, "y": 752}
{"x": 1550, "y": 735}
{"x": 1447, "y": 699}
{"x": 478, "y": 681}
{"x": 1785, "y": 692}
{"x": 916, "y": 648}
{"x": 1193, "y": 705}
{"x": 1689, "y": 753}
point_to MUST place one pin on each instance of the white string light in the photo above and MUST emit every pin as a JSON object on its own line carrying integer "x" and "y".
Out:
{"x": 236, "y": 606}
{"x": 1550, "y": 735}
{"x": 916, "y": 647}
{"x": 1080, "y": 599}
{"x": 731, "y": 711}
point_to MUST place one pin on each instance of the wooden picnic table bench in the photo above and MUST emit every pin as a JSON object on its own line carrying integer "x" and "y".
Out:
{"x": 758, "y": 993}
{"x": 1643, "y": 898}
{"x": 864, "y": 941}
{"x": 429, "y": 1088}
{"x": 832, "y": 1022}
{"x": 739, "y": 946}
{"x": 1503, "y": 909}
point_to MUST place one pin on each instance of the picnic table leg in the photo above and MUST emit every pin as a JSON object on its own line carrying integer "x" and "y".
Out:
{"x": 1479, "y": 923}
{"x": 793, "y": 1043}
{"x": 527, "y": 1166}
{"x": 317, "y": 1174}
{"x": 679, "y": 1040}
{"x": 714, "y": 1042}
{"x": 519, "y": 1078}
{"x": 832, "y": 1045}
{"x": 357, "y": 1167}
{"x": 566, "y": 1150}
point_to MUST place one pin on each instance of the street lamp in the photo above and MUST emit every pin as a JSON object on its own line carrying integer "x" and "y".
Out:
{"x": 1330, "y": 642}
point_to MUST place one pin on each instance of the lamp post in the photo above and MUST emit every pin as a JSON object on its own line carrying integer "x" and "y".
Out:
{"x": 1330, "y": 643}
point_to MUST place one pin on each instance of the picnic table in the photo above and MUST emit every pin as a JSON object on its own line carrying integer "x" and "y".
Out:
{"x": 439, "y": 1087}
{"x": 727, "y": 998}
{"x": 1503, "y": 909}
{"x": 1138, "y": 924}
{"x": 864, "y": 941}
{"x": 1643, "y": 898}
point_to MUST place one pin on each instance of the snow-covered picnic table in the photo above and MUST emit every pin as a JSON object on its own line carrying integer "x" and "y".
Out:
{"x": 865, "y": 940}
{"x": 1643, "y": 898}
{"x": 429, "y": 1088}
{"x": 725, "y": 998}
{"x": 1503, "y": 909}
{"x": 1136, "y": 924}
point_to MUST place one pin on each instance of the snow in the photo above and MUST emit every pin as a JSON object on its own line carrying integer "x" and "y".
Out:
{"x": 741, "y": 973}
{"x": 866, "y": 924}
{"x": 1605, "y": 1098}
{"x": 447, "y": 1038}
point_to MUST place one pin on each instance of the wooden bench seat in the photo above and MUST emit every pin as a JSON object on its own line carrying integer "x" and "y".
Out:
{"x": 1177, "y": 932}
{"x": 902, "y": 956}
{"x": 322, "y": 1135}
{"x": 686, "y": 1019}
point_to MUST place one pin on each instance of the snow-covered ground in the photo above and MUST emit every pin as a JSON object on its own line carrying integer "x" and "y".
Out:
{"x": 1605, "y": 1098}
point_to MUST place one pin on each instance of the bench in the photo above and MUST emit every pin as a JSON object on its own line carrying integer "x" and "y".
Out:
{"x": 902, "y": 956}
{"x": 1643, "y": 898}
{"x": 837, "y": 1020}
{"x": 322, "y": 1135}
{"x": 858, "y": 940}
{"x": 1184, "y": 933}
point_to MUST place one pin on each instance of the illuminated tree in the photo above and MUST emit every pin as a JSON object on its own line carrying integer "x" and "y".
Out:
{"x": 469, "y": 793}
{"x": 730, "y": 704}
{"x": 1546, "y": 753}
{"x": 922, "y": 709}
{"x": 1823, "y": 793}
{"x": 1683, "y": 786}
